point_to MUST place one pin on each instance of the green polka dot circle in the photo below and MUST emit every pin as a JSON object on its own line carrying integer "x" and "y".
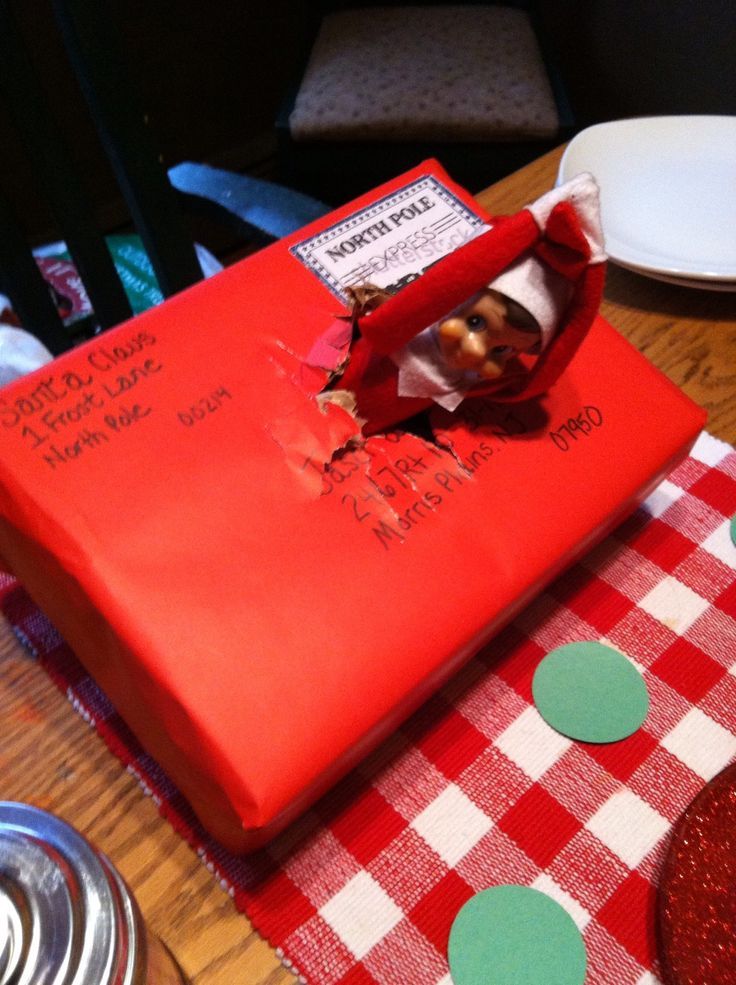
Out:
{"x": 733, "y": 529}
{"x": 513, "y": 935}
{"x": 590, "y": 692}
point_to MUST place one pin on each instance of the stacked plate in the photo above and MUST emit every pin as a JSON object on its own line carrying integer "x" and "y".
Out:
{"x": 668, "y": 195}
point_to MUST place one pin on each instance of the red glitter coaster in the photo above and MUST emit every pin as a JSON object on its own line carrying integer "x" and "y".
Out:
{"x": 697, "y": 893}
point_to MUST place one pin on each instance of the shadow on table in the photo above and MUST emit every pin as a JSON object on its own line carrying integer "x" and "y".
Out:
{"x": 626, "y": 287}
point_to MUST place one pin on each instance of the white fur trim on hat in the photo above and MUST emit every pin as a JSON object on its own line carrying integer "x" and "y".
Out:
{"x": 583, "y": 194}
{"x": 531, "y": 282}
{"x": 537, "y": 287}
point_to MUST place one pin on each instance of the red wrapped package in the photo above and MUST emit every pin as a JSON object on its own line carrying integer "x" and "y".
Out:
{"x": 264, "y": 593}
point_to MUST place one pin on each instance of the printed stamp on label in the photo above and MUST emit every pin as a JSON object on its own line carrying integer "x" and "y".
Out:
{"x": 391, "y": 242}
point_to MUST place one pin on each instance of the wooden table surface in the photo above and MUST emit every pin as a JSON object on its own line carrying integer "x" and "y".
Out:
{"x": 51, "y": 758}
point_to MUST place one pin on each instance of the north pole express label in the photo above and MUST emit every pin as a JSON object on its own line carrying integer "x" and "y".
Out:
{"x": 391, "y": 242}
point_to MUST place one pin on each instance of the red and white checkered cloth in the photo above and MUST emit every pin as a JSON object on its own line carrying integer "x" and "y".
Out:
{"x": 476, "y": 790}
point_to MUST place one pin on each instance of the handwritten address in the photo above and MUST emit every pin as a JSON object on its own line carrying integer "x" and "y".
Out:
{"x": 392, "y": 485}
{"x": 567, "y": 435}
{"x": 68, "y": 414}
{"x": 395, "y": 484}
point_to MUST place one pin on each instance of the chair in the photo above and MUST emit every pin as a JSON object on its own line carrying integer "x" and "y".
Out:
{"x": 255, "y": 208}
{"x": 386, "y": 86}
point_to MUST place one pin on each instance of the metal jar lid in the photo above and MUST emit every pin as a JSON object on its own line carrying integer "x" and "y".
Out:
{"x": 66, "y": 916}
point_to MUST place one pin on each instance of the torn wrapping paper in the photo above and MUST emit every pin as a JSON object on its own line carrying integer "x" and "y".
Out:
{"x": 263, "y": 592}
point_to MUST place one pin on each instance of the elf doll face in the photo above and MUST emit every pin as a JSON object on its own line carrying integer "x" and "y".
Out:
{"x": 485, "y": 333}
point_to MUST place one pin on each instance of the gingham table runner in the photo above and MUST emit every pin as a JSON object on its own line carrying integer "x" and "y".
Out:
{"x": 476, "y": 790}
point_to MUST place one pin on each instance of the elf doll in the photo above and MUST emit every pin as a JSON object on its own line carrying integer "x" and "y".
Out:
{"x": 501, "y": 316}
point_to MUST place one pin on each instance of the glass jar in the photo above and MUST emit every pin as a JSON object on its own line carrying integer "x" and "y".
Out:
{"x": 66, "y": 915}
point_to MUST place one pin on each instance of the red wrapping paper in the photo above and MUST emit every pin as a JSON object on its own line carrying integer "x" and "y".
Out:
{"x": 260, "y": 613}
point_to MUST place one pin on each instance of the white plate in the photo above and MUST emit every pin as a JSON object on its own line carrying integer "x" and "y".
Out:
{"x": 668, "y": 192}
{"x": 700, "y": 283}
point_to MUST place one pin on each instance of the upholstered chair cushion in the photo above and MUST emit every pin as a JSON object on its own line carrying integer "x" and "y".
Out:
{"x": 454, "y": 73}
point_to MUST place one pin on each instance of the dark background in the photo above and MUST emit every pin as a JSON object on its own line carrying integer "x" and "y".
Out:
{"x": 212, "y": 75}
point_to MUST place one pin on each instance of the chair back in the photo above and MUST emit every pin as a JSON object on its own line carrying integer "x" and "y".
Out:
{"x": 89, "y": 39}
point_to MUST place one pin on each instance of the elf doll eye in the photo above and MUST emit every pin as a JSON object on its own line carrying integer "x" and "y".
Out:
{"x": 475, "y": 322}
{"x": 502, "y": 350}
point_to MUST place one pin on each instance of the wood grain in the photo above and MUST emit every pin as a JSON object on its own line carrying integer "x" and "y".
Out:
{"x": 50, "y": 757}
